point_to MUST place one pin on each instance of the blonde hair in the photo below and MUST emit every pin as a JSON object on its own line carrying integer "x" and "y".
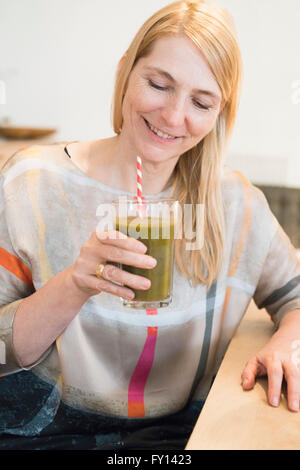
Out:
{"x": 197, "y": 175}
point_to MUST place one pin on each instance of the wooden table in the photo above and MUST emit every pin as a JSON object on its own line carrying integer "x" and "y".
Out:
{"x": 236, "y": 420}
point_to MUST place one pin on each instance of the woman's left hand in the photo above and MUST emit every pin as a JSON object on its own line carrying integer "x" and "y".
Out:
{"x": 279, "y": 359}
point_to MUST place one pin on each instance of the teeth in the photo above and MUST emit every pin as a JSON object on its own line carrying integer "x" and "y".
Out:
{"x": 159, "y": 133}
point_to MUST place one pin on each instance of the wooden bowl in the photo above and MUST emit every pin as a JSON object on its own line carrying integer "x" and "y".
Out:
{"x": 12, "y": 132}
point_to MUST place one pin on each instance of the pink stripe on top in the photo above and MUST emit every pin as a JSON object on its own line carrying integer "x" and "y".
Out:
{"x": 136, "y": 407}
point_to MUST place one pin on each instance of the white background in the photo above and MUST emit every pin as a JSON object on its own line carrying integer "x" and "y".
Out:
{"x": 58, "y": 60}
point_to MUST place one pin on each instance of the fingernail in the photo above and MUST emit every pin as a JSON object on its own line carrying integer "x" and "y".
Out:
{"x": 146, "y": 284}
{"x": 274, "y": 401}
{"x": 151, "y": 262}
{"x": 295, "y": 405}
{"x": 142, "y": 248}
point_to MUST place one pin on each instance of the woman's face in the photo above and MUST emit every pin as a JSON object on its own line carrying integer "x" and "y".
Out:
{"x": 172, "y": 101}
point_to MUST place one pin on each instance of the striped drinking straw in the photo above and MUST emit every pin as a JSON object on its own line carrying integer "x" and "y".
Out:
{"x": 139, "y": 187}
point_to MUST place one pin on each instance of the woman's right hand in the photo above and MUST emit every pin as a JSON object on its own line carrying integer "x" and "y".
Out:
{"x": 107, "y": 247}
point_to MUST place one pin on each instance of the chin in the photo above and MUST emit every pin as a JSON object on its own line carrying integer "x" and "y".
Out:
{"x": 152, "y": 153}
{"x": 154, "y": 156}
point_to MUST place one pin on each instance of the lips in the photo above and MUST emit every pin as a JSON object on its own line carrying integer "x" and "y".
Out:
{"x": 166, "y": 138}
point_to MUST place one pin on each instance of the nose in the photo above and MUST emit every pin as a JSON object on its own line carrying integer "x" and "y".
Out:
{"x": 174, "y": 113}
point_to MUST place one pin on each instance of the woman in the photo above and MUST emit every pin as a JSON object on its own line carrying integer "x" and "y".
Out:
{"x": 76, "y": 372}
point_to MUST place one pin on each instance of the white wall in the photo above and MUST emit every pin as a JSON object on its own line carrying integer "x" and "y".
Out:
{"x": 266, "y": 141}
{"x": 58, "y": 60}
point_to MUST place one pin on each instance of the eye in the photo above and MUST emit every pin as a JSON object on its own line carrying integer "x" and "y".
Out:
{"x": 200, "y": 105}
{"x": 161, "y": 88}
{"x": 157, "y": 87}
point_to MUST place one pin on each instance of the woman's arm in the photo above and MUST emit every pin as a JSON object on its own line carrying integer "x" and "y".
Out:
{"x": 43, "y": 316}
{"x": 290, "y": 324}
{"x": 279, "y": 359}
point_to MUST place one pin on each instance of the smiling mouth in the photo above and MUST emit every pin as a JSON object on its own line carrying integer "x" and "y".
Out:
{"x": 158, "y": 132}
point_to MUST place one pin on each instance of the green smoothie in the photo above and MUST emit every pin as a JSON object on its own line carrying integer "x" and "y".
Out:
{"x": 158, "y": 235}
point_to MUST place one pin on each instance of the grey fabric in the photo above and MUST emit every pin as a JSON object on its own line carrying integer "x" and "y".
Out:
{"x": 111, "y": 359}
{"x": 9, "y": 362}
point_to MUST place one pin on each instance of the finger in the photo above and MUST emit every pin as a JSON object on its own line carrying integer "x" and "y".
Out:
{"x": 249, "y": 373}
{"x": 122, "y": 256}
{"x": 113, "y": 237}
{"x": 101, "y": 285}
{"x": 115, "y": 274}
{"x": 275, "y": 376}
{"x": 292, "y": 376}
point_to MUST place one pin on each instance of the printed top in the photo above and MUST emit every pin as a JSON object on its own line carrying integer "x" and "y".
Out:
{"x": 111, "y": 360}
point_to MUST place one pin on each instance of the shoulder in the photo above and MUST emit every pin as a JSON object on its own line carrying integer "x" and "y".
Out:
{"x": 34, "y": 152}
{"x": 34, "y": 157}
{"x": 245, "y": 205}
{"x": 236, "y": 188}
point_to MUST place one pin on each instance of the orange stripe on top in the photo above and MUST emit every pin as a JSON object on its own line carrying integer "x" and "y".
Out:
{"x": 137, "y": 385}
{"x": 245, "y": 230}
{"x": 15, "y": 266}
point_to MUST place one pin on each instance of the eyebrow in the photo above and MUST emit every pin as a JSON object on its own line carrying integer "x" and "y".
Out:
{"x": 172, "y": 79}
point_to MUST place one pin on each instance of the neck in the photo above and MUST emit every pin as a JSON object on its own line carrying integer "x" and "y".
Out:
{"x": 157, "y": 176}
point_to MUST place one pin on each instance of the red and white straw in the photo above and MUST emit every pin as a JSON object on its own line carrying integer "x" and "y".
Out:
{"x": 139, "y": 187}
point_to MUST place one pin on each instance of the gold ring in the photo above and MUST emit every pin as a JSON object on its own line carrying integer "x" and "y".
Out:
{"x": 99, "y": 271}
